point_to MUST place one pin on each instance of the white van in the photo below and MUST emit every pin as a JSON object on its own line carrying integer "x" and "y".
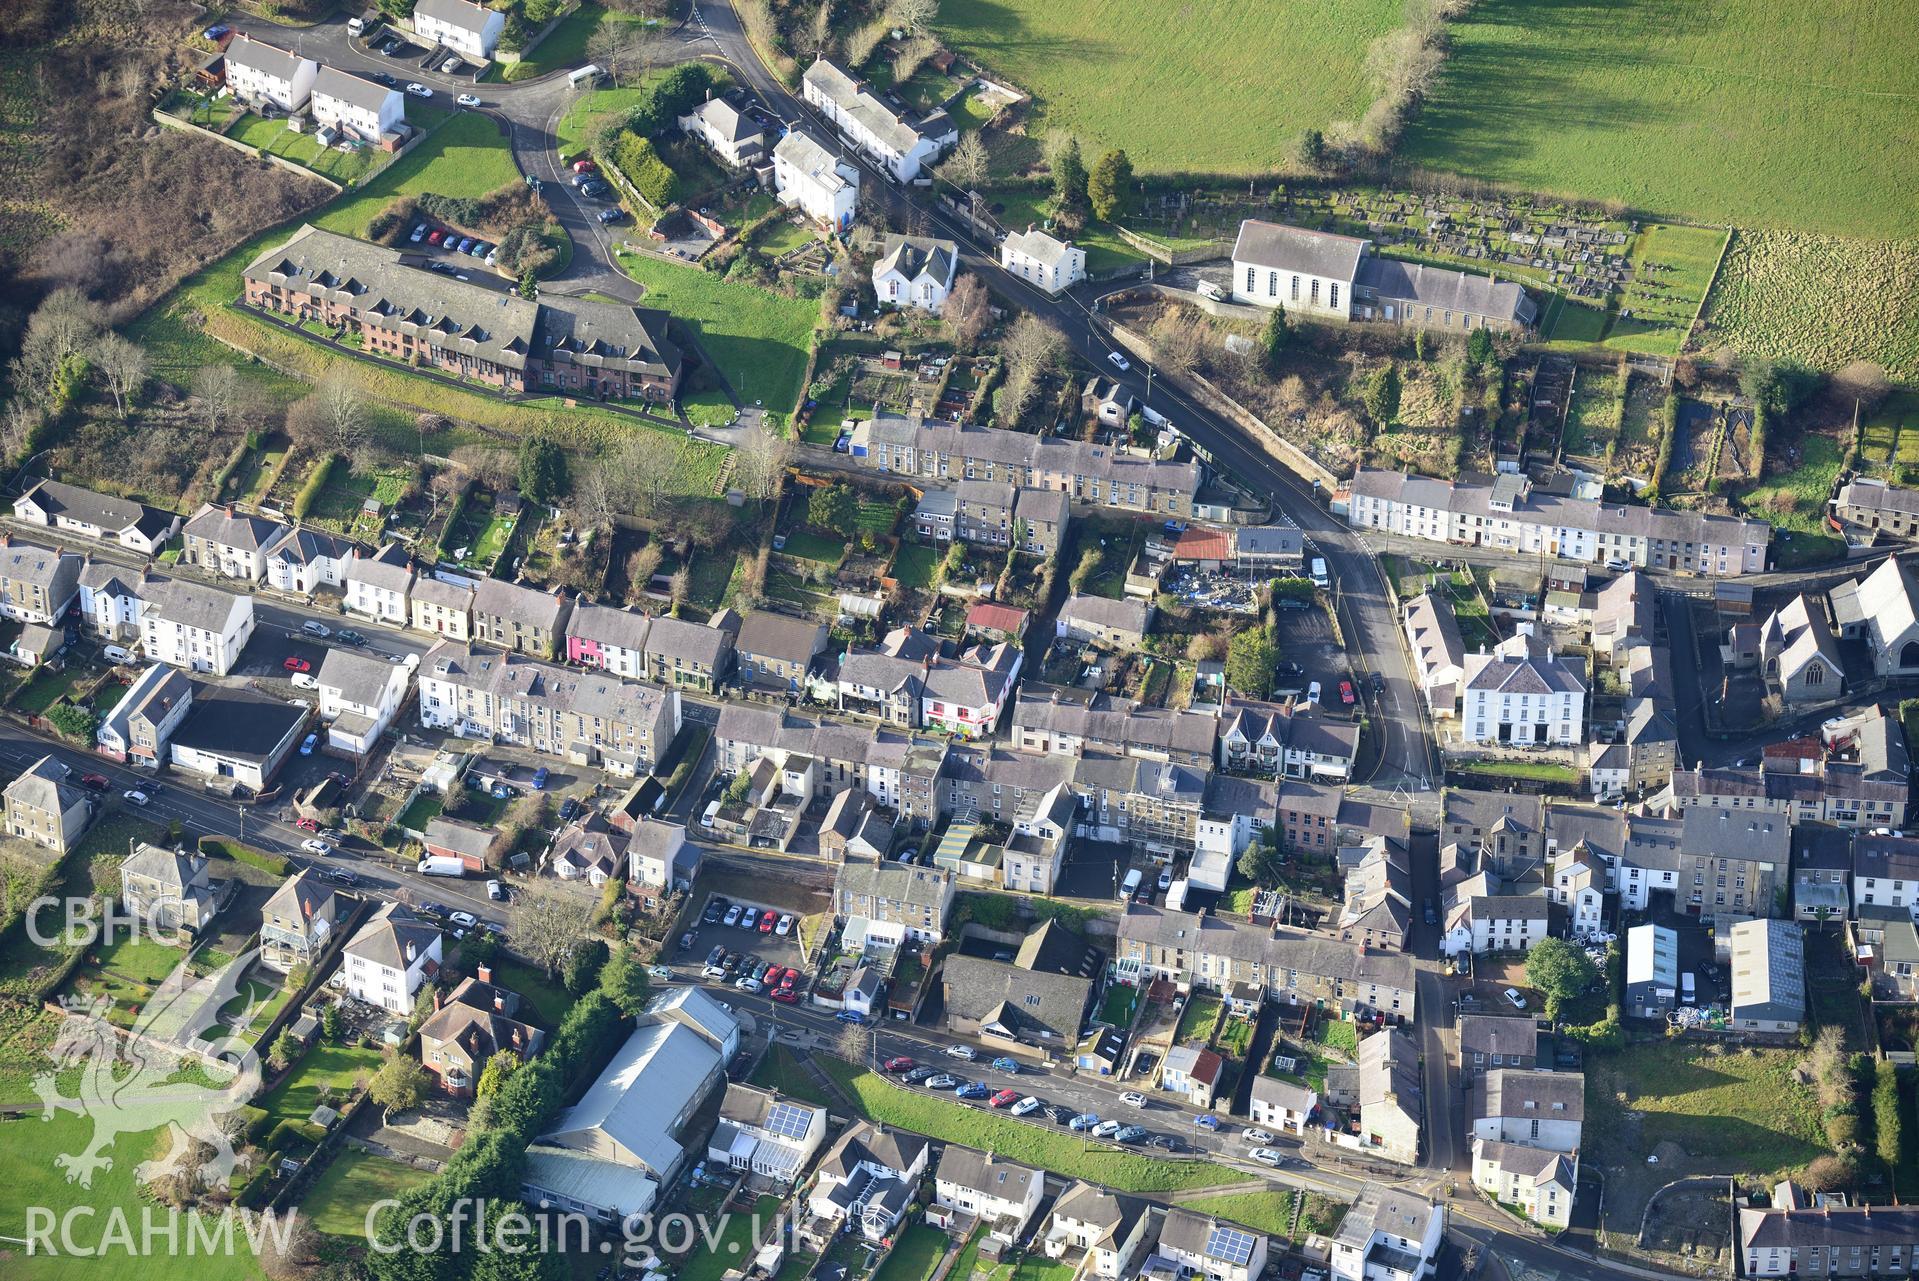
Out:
{"x": 1320, "y": 579}
{"x": 1130, "y": 886}
{"x": 117, "y": 653}
{"x": 585, "y": 76}
{"x": 712, "y": 812}
{"x": 1687, "y": 992}
{"x": 1207, "y": 289}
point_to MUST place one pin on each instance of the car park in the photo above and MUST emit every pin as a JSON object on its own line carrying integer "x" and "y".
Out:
{"x": 1026, "y": 1106}
{"x": 419, "y": 91}
{"x": 1267, "y": 1156}
{"x": 1083, "y": 1122}
{"x": 966, "y": 1052}
{"x": 468, "y": 100}
{"x": 316, "y": 846}
{"x": 1003, "y": 1098}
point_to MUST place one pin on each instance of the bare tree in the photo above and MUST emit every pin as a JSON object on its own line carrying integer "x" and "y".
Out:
{"x": 622, "y": 49}
{"x": 592, "y": 501}
{"x": 216, "y": 389}
{"x": 343, "y": 408}
{"x": 760, "y": 464}
{"x": 966, "y": 167}
{"x": 494, "y": 468}
{"x": 912, "y": 15}
{"x": 1178, "y": 341}
{"x": 967, "y": 311}
{"x": 1033, "y": 347}
{"x": 547, "y": 924}
{"x": 639, "y": 472}
{"x": 1864, "y": 382}
{"x": 64, "y": 324}
{"x": 22, "y": 420}
{"x": 123, "y": 363}
{"x": 819, "y": 34}
{"x": 911, "y": 56}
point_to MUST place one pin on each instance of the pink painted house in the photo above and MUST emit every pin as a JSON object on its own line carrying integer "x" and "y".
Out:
{"x": 613, "y": 640}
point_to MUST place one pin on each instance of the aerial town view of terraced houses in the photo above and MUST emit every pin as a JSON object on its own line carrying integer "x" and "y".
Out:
{"x": 958, "y": 640}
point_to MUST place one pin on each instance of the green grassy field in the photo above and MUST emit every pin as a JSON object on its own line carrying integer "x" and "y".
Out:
{"x": 544, "y": 998}
{"x": 34, "y": 1180}
{"x": 1268, "y": 1212}
{"x": 779, "y": 1070}
{"x": 1064, "y": 1154}
{"x": 565, "y": 45}
{"x": 466, "y": 156}
{"x": 592, "y": 109}
{"x": 1742, "y": 1110}
{"x": 914, "y": 565}
{"x": 337, "y": 1202}
{"x": 759, "y": 340}
{"x": 1737, "y": 112}
{"x": 1775, "y": 299}
{"x": 1139, "y": 76}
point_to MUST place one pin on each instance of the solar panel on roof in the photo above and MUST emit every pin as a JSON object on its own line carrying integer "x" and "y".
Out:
{"x": 1230, "y": 1244}
{"x": 788, "y": 1120}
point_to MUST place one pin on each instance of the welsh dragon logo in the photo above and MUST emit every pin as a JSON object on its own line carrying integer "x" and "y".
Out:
{"x": 155, "y": 1074}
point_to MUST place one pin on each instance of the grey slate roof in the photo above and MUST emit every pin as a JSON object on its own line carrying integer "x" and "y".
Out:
{"x": 1284, "y": 248}
{"x": 102, "y": 510}
{"x": 393, "y": 938}
{"x": 766, "y": 634}
{"x": 43, "y": 786}
{"x": 608, "y": 625}
{"x": 516, "y": 602}
{"x": 1037, "y": 245}
{"x": 1559, "y": 1096}
{"x": 173, "y": 869}
{"x": 1490, "y": 1034}
{"x": 604, "y": 335}
{"x": 227, "y": 527}
{"x": 189, "y": 604}
{"x": 1447, "y": 289}
{"x": 360, "y": 678}
{"x": 243, "y": 50}
{"x": 1002, "y": 1180}
{"x": 464, "y": 14}
{"x": 914, "y": 256}
{"x": 353, "y": 90}
{"x": 1101, "y": 611}
{"x": 689, "y": 642}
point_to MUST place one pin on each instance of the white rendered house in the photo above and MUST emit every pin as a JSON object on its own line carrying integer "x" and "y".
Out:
{"x": 258, "y": 72}
{"x": 810, "y": 178}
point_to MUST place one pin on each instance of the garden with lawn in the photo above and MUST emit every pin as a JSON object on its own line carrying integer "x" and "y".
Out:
{"x": 915, "y": 1255}
{"x": 565, "y": 47}
{"x": 325, "y": 1067}
{"x": 338, "y": 1201}
{"x": 126, "y": 972}
{"x": 275, "y": 139}
{"x": 1268, "y": 1212}
{"x": 1068, "y": 1155}
{"x": 758, "y": 341}
{"x": 1794, "y": 503}
{"x": 781, "y": 1070}
{"x": 915, "y": 564}
{"x": 544, "y": 998}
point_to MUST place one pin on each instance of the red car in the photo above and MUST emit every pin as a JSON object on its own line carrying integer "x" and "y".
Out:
{"x": 768, "y": 921}
{"x": 901, "y": 1064}
{"x": 770, "y": 980}
{"x": 789, "y": 980}
{"x": 584, "y": 166}
{"x": 787, "y": 994}
{"x": 435, "y": 236}
{"x": 97, "y": 782}
{"x": 297, "y": 664}
{"x": 307, "y": 824}
{"x": 1346, "y": 693}
{"x": 1004, "y": 1097}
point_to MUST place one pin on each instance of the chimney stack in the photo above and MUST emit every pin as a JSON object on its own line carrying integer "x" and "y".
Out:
{"x": 484, "y": 973}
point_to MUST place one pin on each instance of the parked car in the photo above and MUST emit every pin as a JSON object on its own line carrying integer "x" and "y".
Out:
{"x": 768, "y": 921}
{"x": 1119, "y": 362}
{"x": 294, "y": 663}
{"x": 1107, "y": 1129}
{"x": 715, "y": 908}
{"x": 350, "y": 637}
{"x": 1083, "y": 1122}
{"x": 450, "y": 66}
{"x": 747, "y": 983}
{"x": 732, "y": 915}
{"x": 596, "y": 190}
{"x": 785, "y": 925}
{"x": 314, "y": 845}
{"x": 497, "y": 892}
{"x": 419, "y": 234}
{"x": 1003, "y": 1098}
{"x": 1165, "y": 880}
{"x": 790, "y": 995}
{"x": 435, "y": 236}
{"x": 340, "y": 876}
{"x": 921, "y": 1072}
{"x": 215, "y": 31}
{"x": 1514, "y": 999}
{"x": 901, "y": 1063}
{"x": 465, "y": 920}
{"x": 966, "y": 1052}
{"x": 1206, "y": 1121}
{"x": 312, "y": 741}
{"x": 1058, "y": 1114}
{"x": 540, "y": 776}
{"x": 1432, "y": 917}
{"x": 584, "y": 164}
{"x": 570, "y": 809}
{"x": 308, "y": 825}
{"x": 419, "y": 90}
{"x": 661, "y": 972}
{"x": 974, "y": 1090}
{"x": 851, "y": 1016}
{"x": 468, "y": 100}
{"x": 1258, "y": 1136}
{"x": 610, "y": 216}
{"x": 1006, "y": 1065}
{"x": 1267, "y": 1156}
{"x": 789, "y": 980}
{"x": 95, "y": 782}
{"x": 1129, "y": 1134}
{"x": 1133, "y": 1098}
{"x": 941, "y": 1081}
{"x": 1346, "y": 693}
{"x": 1026, "y": 1106}
{"x": 333, "y": 834}
{"x": 466, "y": 243}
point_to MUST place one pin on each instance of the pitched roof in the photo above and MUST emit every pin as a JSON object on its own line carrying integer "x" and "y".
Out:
{"x": 394, "y": 938}
{"x": 355, "y": 91}
{"x": 766, "y": 634}
{"x": 465, "y": 14}
{"x": 1102, "y": 611}
{"x": 270, "y": 59}
{"x": 801, "y": 150}
{"x": 1768, "y": 970}
{"x": 916, "y": 256}
{"x": 189, "y": 604}
{"x": 43, "y": 786}
{"x": 176, "y": 869}
{"x": 1312, "y": 253}
{"x": 1524, "y": 1093}
{"x": 301, "y": 897}
{"x": 681, "y": 639}
{"x": 1444, "y": 287}
{"x": 651, "y": 1079}
{"x": 1523, "y": 664}
{"x": 517, "y": 602}
{"x": 101, "y": 510}
{"x": 1038, "y": 246}
{"x": 609, "y": 625}
{"x": 992, "y": 616}
{"x": 981, "y": 1172}
{"x": 229, "y": 527}
{"x": 360, "y": 678}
